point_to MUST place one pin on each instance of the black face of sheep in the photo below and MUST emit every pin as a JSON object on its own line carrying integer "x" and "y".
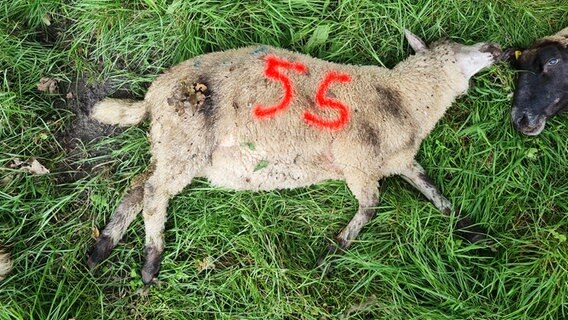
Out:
{"x": 542, "y": 86}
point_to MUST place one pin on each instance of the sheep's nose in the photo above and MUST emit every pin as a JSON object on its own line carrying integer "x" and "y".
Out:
{"x": 528, "y": 124}
{"x": 492, "y": 48}
{"x": 523, "y": 122}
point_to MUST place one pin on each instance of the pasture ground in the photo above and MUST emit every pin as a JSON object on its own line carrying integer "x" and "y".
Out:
{"x": 241, "y": 255}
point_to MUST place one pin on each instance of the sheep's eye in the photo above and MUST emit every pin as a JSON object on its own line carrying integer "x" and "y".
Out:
{"x": 552, "y": 62}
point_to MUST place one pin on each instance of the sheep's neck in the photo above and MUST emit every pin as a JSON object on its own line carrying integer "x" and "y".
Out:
{"x": 428, "y": 92}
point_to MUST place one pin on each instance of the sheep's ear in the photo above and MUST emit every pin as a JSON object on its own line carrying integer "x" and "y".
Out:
{"x": 512, "y": 56}
{"x": 416, "y": 43}
{"x": 562, "y": 33}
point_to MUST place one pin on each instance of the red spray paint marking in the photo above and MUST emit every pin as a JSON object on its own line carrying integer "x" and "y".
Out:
{"x": 272, "y": 64}
{"x": 324, "y": 102}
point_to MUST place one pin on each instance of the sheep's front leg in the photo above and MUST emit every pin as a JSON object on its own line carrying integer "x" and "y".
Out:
{"x": 417, "y": 177}
{"x": 366, "y": 192}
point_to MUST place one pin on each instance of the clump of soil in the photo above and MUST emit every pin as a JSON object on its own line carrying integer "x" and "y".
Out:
{"x": 188, "y": 97}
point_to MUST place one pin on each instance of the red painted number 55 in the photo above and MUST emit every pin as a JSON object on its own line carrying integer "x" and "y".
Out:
{"x": 273, "y": 72}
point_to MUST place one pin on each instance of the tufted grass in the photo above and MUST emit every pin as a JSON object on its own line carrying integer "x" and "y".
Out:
{"x": 405, "y": 265}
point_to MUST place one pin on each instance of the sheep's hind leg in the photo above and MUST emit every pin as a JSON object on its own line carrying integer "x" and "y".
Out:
{"x": 368, "y": 196}
{"x": 417, "y": 177}
{"x": 129, "y": 207}
{"x": 164, "y": 184}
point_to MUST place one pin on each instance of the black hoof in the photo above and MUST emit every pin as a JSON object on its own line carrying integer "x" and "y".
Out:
{"x": 149, "y": 274}
{"x": 101, "y": 251}
{"x": 152, "y": 265}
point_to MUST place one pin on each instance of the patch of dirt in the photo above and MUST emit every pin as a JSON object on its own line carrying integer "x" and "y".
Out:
{"x": 80, "y": 97}
{"x": 53, "y": 32}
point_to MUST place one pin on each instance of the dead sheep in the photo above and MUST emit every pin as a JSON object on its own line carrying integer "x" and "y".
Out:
{"x": 308, "y": 121}
{"x": 542, "y": 83}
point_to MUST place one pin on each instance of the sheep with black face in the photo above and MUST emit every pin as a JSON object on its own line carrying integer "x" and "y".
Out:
{"x": 542, "y": 83}
{"x": 309, "y": 121}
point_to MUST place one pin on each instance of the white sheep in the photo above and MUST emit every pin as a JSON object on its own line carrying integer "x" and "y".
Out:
{"x": 263, "y": 118}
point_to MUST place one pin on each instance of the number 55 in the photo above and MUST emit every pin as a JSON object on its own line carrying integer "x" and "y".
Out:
{"x": 273, "y": 63}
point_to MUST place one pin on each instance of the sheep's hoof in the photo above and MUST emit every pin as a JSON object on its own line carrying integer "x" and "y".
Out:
{"x": 148, "y": 276}
{"x": 152, "y": 265}
{"x": 101, "y": 251}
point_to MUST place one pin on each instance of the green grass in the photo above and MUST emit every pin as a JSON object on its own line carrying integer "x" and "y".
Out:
{"x": 406, "y": 264}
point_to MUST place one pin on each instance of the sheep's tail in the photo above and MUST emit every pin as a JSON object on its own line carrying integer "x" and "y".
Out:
{"x": 122, "y": 112}
{"x": 5, "y": 263}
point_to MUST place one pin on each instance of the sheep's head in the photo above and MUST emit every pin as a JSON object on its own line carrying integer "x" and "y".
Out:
{"x": 469, "y": 59}
{"x": 542, "y": 85}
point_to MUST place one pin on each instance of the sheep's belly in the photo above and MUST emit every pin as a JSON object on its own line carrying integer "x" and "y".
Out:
{"x": 240, "y": 169}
